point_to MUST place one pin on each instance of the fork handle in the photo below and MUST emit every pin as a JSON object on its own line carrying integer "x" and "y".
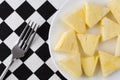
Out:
{"x": 6, "y": 70}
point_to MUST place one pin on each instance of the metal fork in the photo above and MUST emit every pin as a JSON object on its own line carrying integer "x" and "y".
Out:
{"x": 23, "y": 45}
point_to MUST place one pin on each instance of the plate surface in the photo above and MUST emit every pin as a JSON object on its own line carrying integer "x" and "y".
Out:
{"x": 58, "y": 27}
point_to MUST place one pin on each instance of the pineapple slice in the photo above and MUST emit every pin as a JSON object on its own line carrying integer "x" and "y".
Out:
{"x": 109, "y": 63}
{"x": 110, "y": 16}
{"x": 72, "y": 64}
{"x": 67, "y": 43}
{"x": 89, "y": 65}
{"x": 76, "y": 21}
{"x": 94, "y": 13}
{"x": 109, "y": 29}
{"x": 114, "y": 6}
{"x": 89, "y": 43}
{"x": 117, "y": 50}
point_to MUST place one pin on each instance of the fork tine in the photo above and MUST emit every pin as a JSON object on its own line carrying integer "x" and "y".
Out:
{"x": 29, "y": 36}
{"x": 32, "y": 39}
{"x": 23, "y": 32}
{"x": 27, "y": 32}
{"x": 24, "y": 38}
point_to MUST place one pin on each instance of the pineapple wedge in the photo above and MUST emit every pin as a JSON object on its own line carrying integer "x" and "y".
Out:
{"x": 89, "y": 65}
{"x": 76, "y": 21}
{"x": 109, "y": 29}
{"x": 89, "y": 43}
{"x": 68, "y": 42}
{"x": 72, "y": 64}
{"x": 114, "y": 6}
{"x": 94, "y": 13}
{"x": 110, "y": 16}
{"x": 109, "y": 63}
{"x": 117, "y": 50}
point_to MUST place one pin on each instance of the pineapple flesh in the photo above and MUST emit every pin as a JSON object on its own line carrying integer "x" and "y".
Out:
{"x": 72, "y": 65}
{"x": 89, "y": 65}
{"x": 114, "y": 7}
{"x": 89, "y": 43}
{"x": 117, "y": 50}
{"x": 68, "y": 42}
{"x": 76, "y": 21}
{"x": 109, "y": 63}
{"x": 109, "y": 29}
{"x": 94, "y": 13}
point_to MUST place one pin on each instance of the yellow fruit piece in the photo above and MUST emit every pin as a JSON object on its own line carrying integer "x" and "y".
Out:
{"x": 114, "y": 6}
{"x": 109, "y": 29}
{"x": 68, "y": 42}
{"x": 72, "y": 65}
{"x": 117, "y": 50}
{"x": 89, "y": 43}
{"x": 94, "y": 13}
{"x": 109, "y": 63}
{"x": 76, "y": 21}
{"x": 89, "y": 65}
{"x": 110, "y": 16}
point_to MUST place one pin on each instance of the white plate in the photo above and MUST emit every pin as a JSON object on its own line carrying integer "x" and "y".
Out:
{"x": 58, "y": 27}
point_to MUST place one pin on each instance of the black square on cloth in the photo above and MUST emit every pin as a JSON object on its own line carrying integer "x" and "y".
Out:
{"x": 5, "y": 31}
{"x": 5, "y": 10}
{"x": 25, "y": 10}
{"x": 2, "y": 67}
{"x": 4, "y": 52}
{"x": 27, "y": 55}
{"x": 46, "y": 10}
{"x": 43, "y": 31}
{"x": 44, "y": 72}
{"x": 23, "y": 72}
{"x": 8, "y": 74}
{"x": 60, "y": 75}
{"x": 19, "y": 30}
{"x": 43, "y": 52}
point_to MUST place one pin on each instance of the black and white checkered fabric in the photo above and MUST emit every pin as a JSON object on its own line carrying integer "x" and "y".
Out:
{"x": 37, "y": 63}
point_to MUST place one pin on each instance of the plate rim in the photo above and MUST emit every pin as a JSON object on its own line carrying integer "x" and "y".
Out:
{"x": 52, "y": 22}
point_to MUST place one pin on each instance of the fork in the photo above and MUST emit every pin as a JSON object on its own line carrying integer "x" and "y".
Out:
{"x": 23, "y": 45}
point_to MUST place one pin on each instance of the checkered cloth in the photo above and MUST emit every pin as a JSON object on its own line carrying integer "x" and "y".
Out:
{"x": 37, "y": 63}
